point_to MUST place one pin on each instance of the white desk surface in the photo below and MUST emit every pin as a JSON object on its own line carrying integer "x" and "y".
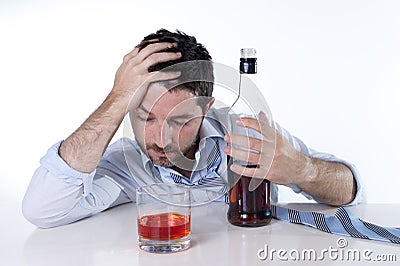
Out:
{"x": 110, "y": 238}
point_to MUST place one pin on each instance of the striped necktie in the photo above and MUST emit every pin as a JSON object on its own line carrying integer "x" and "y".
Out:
{"x": 342, "y": 223}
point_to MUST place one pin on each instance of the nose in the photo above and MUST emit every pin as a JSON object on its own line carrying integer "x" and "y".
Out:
{"x": 163, "y": 136}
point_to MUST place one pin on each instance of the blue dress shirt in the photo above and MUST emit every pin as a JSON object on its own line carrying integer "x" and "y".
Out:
{"x": 59, "y": 194}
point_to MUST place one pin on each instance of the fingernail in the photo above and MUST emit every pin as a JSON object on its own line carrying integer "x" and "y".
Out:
{"x": 175, "y": 44}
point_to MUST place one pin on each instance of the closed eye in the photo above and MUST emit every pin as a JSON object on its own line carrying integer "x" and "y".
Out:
{"x": 144, "y": 118}
{"x": 180, "y": 124}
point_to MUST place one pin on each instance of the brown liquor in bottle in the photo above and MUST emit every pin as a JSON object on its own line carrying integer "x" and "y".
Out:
{"x": 248, "y": 208}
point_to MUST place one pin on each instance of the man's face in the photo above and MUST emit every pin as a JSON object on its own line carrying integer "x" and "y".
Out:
{"x": 166, "y": 125}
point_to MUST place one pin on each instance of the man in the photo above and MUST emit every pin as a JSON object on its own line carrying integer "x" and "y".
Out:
{"x": 173, "y": 127}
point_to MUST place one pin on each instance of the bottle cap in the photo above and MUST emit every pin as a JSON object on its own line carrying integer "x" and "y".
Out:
{"x": 248, "y": 53}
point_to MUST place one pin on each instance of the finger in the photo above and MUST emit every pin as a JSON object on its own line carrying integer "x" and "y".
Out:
{"x": 265, "y": 121}
{"x": 243, "y": 155}
{"x": 244, "y": 141}
{"x": 147, "y": 42}
{"x": 249, "y": 122}
{"x": 255, "y": 183}
{"x": 135, "y": 51}
{"x": 131, "y": 54}
{"x": 159, "y": 58}
{"x": 260, "y": 125}
{"x": 151, "y": 49}
{"x": 246, "y": 171}
{"x": 266, "y": 149}
{"x": 263, "y": 159}
{"x": 163, "y": 75}
{"x": 267, "y": 126}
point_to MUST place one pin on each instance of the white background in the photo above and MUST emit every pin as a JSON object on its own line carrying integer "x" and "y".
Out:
{"x": 330, "y": 72}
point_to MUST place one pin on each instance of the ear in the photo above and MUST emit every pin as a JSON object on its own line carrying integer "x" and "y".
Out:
{"x": 208, "y": 106}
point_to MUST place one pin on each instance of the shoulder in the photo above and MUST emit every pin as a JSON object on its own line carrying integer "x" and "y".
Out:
{"x": 217, "y": 117}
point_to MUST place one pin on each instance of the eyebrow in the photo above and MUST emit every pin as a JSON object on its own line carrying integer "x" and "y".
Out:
{"x": 182, "y": 116}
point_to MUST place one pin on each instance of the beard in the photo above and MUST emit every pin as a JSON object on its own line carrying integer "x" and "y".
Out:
{"x": 173, "y": 155}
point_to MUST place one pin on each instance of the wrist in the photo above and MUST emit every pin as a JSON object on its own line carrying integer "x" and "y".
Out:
{"x": 120, "y": 93}
{"x": 119, "y": 100}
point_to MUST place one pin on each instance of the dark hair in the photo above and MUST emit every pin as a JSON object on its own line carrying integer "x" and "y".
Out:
{"x": 198, "y": 73}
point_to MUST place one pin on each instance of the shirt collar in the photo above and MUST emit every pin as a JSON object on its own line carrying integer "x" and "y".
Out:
{"x": 208, "y": 130}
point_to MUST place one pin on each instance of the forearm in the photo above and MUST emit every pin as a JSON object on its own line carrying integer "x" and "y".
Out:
{"x": 83, "y": 149}
{"x": 328, "y": 182}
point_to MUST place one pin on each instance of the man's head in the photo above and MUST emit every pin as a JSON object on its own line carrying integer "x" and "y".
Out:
{"x": 167, "y": 122}
{"x": 196, "y": 71}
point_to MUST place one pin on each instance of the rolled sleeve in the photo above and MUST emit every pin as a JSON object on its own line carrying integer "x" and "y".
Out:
{"x": 58, "y": 167}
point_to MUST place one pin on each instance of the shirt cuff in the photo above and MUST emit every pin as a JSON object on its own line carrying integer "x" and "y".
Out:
{"x": 59, "y": 168}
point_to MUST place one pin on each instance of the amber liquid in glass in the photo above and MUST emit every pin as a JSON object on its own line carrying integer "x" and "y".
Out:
{"x": 164, "y": 226}
{"x": 248, "y": 208}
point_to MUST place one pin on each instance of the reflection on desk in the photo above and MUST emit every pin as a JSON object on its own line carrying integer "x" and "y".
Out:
{"x": 110, "y": 238}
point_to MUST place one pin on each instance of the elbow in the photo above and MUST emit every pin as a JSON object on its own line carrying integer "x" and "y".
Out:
{"x": 348, "y": 199}
{"x": 48, "y": 214}
{"x": 34, "y": 215}
{"x": 33, "y": 218}
{"x": 49, "y": 201}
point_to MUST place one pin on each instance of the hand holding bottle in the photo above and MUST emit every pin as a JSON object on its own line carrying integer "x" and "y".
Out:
{"x": 252, "y": 150}
{"x": 287, "y": 165}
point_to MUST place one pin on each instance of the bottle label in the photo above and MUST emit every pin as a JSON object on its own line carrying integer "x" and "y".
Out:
{"x": 248, "y": 66}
